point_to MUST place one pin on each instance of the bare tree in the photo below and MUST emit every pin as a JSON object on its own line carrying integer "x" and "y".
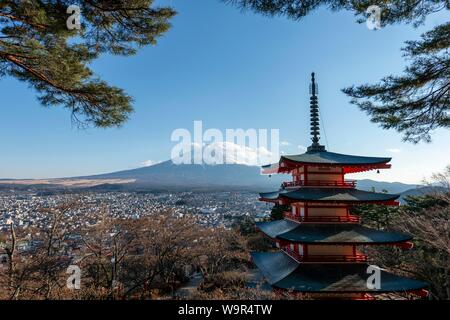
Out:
{"x": 427, "y": 219}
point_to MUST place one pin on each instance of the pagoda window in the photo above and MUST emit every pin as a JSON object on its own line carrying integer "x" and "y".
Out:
{"x": 321, "y": 176}
{"x": 320, "y": 213}
{"x": 298, "y": 171}
{"x": 324, "y": 169}
{"x": 327, "y": 211}
{"x": 298, "y": 177}
{"x": 294, "y": 210}
{"x": 296, "y": 251}
{"x": 298, "y": 210}
{"x": 330, "y": 250}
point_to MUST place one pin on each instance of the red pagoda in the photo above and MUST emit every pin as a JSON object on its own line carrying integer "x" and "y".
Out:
{"x": 319, "y": 238}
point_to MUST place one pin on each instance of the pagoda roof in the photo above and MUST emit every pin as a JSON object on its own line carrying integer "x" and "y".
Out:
{"x": 274, "y": 228}
{"x": 326, "y": 157}
{"x": 351, "y": 163}
{"x": 327, "y": 195}
{"x": 339, "y": 233}
{"x": 283, "y": 272}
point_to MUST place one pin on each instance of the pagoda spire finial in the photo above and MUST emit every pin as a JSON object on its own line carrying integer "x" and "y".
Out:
{"x": 314, "y": 112}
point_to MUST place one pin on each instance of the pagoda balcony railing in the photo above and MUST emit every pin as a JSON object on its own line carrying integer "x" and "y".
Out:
{"x": 323, "y": 219}
{"x": 357, "y": 258}
{"x": 320, "y": 183}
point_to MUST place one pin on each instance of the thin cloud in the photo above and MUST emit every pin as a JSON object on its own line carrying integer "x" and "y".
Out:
{"x": 302, "y": 148}
{"x": 393, "y": 150}
{"x": 148, "y": 163}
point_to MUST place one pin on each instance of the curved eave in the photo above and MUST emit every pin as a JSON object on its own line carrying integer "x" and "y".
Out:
{"x": 329, "y": 234}
{"x": 342, "y": 234}
{"x": 274, "y": 228}
{"x": 332, "y": 158}
{"x": 270, "y": 196}
{"x": 274, "y": 169}
{"x": 337, "y": 195}
{"x": 283, "y": 272}
{"x": 350, "y": 163}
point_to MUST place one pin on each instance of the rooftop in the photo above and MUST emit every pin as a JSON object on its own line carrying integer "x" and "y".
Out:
{"x": 351, "y": 163}
{"x": 329, "y": 233}
{"x": 327, "y": 195}
{"x": 283, "y": 272}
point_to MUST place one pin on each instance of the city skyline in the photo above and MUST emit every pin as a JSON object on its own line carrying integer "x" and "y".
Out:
{"x": 252, "y": 72}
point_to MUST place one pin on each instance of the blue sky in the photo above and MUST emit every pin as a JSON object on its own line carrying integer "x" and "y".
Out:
{"x": 231, "y": 70}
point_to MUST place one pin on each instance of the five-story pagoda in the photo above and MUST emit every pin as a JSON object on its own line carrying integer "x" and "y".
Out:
{"x": 319, "y": 238}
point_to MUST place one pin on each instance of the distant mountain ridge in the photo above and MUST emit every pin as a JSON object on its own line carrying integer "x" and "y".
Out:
{"x": 169, "y": 176}
{"x": 390, "y": 187}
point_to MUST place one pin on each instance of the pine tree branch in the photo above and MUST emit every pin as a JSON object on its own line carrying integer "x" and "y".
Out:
{"x": 24, "y": 21}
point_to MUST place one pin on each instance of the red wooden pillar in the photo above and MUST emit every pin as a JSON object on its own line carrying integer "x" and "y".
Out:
{"x": 305, "y": 175}
{"x": 305, "y": 205}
